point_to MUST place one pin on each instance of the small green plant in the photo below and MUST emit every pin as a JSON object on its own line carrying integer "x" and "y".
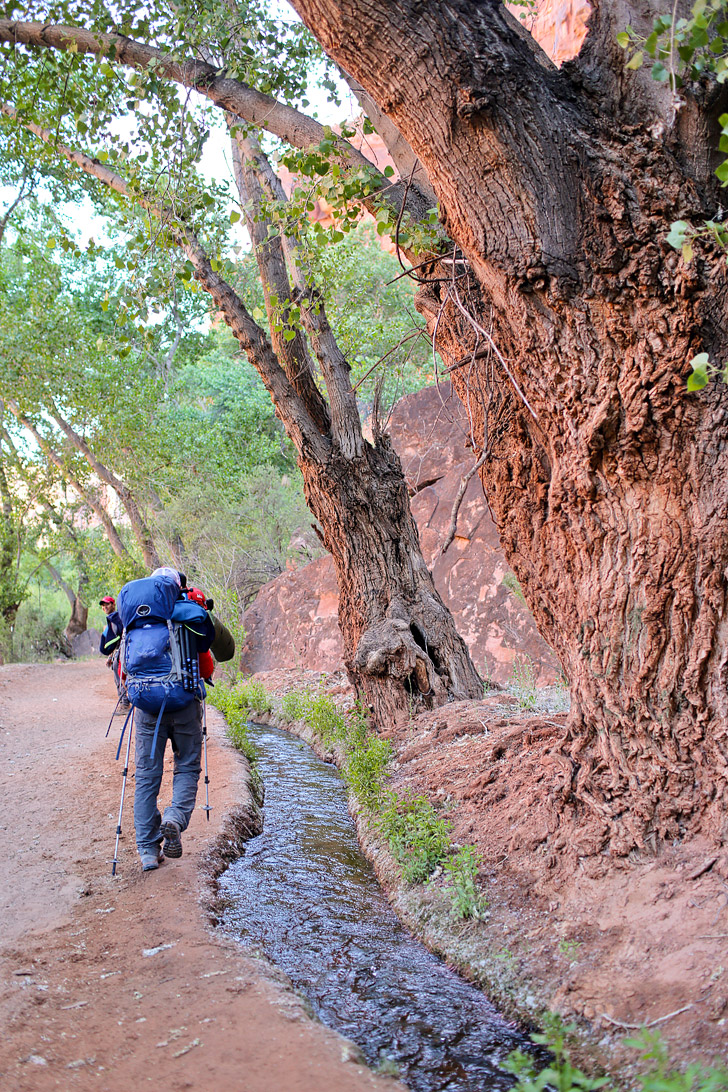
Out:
{"x": 325, "y": 719}
{"x": 366, "y": 768}
{"x": 559, "y": 1074}
{"x": 569, "y": 948}
{"x": 293, "y": 705}
{"x": 387, "y": 1067}
{"x": 232, "y": 706}
{"x": 418, "y": 838}
{"x": 523, "y": 681}
{"x": 462, "y": 871}
{"x": 659, "y": 1077}
{"x": 509, "y": 581}
{"x": 562, "y": 1076}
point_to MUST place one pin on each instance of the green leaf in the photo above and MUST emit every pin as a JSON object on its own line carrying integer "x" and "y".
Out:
{"x": 678, "y": 231}
{"x": 388, "y": 171}
{"x": 234, "y": 216}
{"x": 289, "y": 334}
{"x": 699, "y": 376}
{"x": 659, "y": 72}
{"x": 697, "y": 380}
{"x": 651, "y": 44}
{"x": 623, "y": 39}
{"x": 722, "y": 172}
{"x": 636, "y": 62}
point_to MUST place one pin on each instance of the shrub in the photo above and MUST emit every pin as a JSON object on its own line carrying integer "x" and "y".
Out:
{"x": 462, "y": 870}
{"x": 418, "y": 838}
{"x": 252, "y": 697}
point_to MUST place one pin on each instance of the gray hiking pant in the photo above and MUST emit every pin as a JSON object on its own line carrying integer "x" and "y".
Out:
{"x": 184, "y": 731}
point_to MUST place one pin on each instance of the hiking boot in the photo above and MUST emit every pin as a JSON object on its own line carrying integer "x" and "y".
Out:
{"x": 172, "y": 839}
{"x": 151, "y": 859}
{"x": 125, "y": 703}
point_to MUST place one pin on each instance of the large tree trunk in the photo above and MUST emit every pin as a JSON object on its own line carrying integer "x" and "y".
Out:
{"x": 78, "y": 622}
{"x": 607, "y": 481}
{"x": 11, "y": 595}
{"x": 401, "y": 647}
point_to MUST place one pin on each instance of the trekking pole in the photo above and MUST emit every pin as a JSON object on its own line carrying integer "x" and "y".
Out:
{"x": 207, "y": 809}
{"x": 115, "y": 861}
{"x": 116, "y": 709}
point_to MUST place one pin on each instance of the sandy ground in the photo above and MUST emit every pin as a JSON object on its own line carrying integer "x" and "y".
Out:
{"x": 120, "y": 983}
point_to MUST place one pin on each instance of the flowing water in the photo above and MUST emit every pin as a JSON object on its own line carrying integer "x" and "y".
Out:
{"x": 305, "y": 895}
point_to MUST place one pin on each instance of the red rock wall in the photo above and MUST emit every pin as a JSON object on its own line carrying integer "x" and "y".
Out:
{"x": 292, "y": 622}
{"x": 559, "y": 26}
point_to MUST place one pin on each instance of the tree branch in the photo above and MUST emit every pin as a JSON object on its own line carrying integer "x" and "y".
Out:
{"x": 231, "y": 95}
{"x": 138, "y": 524}
{"x": 334, "y": 366}
{"x": 289, "y": 406}
{"x": 111, "y": 533}
{"x": 269, "y": 255}
{"x": 22, "y": 195}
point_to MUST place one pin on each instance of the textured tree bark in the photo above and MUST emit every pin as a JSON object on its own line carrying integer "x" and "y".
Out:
{"x": 78, "y": 622}
{"x": 607, "y": 481}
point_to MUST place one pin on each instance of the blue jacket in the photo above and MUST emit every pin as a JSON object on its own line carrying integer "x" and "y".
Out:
{"x": 111, "y": 637}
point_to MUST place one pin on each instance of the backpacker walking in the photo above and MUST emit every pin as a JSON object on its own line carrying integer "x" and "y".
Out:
{"x": 163, "y": 635}
{"x": 110, "y": 645}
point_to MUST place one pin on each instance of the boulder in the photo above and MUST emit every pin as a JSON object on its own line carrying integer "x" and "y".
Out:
{"x": 293, "y": 621}
{"x": 86, "y": 643}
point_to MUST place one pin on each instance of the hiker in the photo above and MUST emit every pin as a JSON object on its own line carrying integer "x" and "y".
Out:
{"x": 110, "y": 645}
{"x": 168, "y": 705}
{"x": 205, "y": 659}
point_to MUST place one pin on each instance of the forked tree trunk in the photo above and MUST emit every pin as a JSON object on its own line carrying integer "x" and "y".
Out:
{"x": 391, "y": 630}
{"x": 78, "y": 622}
{"x": 401, "y": 648}
{"x": 608, "y": 482}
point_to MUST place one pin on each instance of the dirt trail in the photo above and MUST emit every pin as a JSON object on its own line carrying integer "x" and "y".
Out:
{"x": 119, "y": 983}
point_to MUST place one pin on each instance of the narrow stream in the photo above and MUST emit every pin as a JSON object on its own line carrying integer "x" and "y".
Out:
{"x": 305, "y": 895}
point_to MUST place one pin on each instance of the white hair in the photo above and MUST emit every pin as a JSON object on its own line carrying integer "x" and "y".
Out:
{"x": 168, "y": 573}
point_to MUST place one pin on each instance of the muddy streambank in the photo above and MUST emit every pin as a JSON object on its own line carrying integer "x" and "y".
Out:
{"x": 612, "y": 945}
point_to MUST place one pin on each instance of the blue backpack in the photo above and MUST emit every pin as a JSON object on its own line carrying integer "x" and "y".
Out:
{"x": 158, "y": 649}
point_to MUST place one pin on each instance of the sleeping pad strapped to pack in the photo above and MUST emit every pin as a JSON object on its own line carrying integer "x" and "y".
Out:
{"x": 159, "y": 650}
